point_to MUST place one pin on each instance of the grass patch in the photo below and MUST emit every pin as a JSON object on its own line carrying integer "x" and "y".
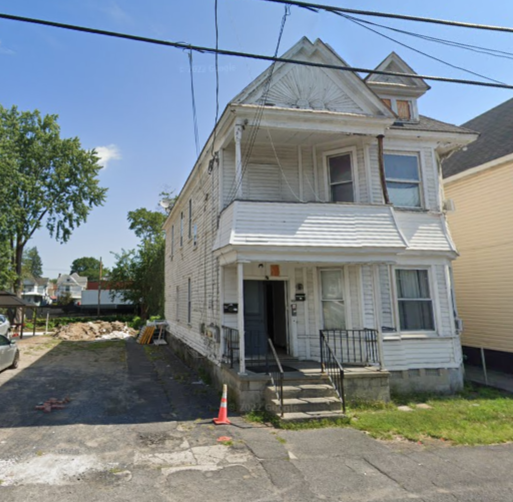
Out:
{"x": 476, "y": 416}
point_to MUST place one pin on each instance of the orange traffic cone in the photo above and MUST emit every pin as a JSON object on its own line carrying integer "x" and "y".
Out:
{"x": 222, "y": 419}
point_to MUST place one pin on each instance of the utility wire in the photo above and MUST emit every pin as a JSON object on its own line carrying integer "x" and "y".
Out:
{"x": 260, "y": 57}
{"x": 194, "y": 113}
{"x": 418, "y": 51}
{"x": 332, "y": 8}
{"x": 260, "y": 110}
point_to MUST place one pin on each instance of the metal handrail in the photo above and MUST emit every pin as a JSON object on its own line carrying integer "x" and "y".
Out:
{"x": 276, "y": 375}
{"x": 331, "y": 365}
{"x": 354, "y": 346}
{"x": 231, "y": 340}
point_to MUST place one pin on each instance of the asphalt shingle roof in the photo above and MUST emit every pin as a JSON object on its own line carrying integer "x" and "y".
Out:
{"x": 431, "y": 125}
{"x": 495, "y": 140}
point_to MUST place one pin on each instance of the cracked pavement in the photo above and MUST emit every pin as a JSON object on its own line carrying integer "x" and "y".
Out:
{"x": 139, "y": 428}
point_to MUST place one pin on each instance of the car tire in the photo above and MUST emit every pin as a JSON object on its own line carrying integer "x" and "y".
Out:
{"x": 16, "y": 361}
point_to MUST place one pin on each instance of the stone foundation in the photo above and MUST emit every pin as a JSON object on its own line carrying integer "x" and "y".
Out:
{"x": 439, "y": 381}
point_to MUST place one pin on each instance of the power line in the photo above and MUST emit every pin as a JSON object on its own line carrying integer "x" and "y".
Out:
{"x": 418, "y": 51}
{"x": 332, "y": 8}
{"x": 261, "y": 57}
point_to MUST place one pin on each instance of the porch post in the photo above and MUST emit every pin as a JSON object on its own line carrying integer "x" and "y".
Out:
{"x": 238, "y": 159}
{"x": 377, "y": 311}
{"x": 240, "y": 317}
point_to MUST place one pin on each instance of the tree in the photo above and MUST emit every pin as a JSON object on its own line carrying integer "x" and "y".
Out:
{"x": 139, "y": 273}
{"x": 32, "y": 265}
{"x": 45, "y": 180}
{"x": 89, "y": 267}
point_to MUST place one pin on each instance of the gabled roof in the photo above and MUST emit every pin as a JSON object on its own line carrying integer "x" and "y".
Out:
{"x": 395, "y": 63}
{"x": 305, "y": 87}
{"x": 495, "y": 140}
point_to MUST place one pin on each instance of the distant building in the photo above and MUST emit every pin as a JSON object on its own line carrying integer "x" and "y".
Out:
{"x": 36, "y": 290}
{"x": 72, "y": 284}
{"x": 108, "y": 299}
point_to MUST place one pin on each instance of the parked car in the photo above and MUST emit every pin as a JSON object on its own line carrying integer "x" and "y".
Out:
{"x": 9, "y": 353}
{"x": 5, "y": 326}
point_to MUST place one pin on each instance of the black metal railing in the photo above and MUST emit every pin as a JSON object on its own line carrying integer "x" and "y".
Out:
{"x": 275, "y": 371}
{"x": 354, "y": 346}
{"x": 333, "y": 368}
{"x": 231, "y": 345}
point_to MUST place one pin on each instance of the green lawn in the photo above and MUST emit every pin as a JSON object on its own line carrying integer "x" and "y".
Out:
{"x": 477, "y": 416}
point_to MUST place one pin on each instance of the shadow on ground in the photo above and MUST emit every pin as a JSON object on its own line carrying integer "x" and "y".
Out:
{"x": 109, "y": 382}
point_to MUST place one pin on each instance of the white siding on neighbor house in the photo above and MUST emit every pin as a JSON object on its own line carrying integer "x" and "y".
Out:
{"x": 320, "y": 225}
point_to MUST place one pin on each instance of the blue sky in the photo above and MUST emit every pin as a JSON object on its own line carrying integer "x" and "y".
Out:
{"x": 133, "y": 100}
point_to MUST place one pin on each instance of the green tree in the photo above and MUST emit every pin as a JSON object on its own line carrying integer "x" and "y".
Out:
{"x": 32, "y": 265}
{"x": 46, "y": 181}
{"x": 139, "y": 273}
{"x": 89, "y": 267}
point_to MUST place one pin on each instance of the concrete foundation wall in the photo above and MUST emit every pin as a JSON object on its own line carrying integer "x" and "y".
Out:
{"x": 440, "y": 381}
{"x": 367, "y": 387}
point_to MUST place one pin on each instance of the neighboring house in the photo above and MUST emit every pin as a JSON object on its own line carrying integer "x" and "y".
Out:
{"x": 105, "y": 297}
{"x": 36, "y": 290}
{"x": 72, "y": 284}
{"x": 480, "y": 182}
{"x": 287, "y": 233}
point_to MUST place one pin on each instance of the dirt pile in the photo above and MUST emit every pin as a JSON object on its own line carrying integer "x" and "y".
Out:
{"x": 97, "y": 330}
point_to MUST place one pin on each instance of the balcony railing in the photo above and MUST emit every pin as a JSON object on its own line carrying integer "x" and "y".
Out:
{"x": 357, "y": 347}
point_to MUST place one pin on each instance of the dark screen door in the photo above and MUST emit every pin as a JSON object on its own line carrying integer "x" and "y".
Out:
{"x": 255, "y": 320}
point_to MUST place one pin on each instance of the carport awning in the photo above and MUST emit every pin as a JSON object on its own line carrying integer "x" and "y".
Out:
{"x": 10, "y": 300}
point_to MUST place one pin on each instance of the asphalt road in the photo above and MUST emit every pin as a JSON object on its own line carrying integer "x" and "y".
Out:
{"x": 138, "y": 428}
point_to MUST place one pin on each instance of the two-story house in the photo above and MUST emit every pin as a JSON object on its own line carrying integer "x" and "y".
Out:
{"x": 36, "y": 290}
{"x": 315, "y": 215}
{"x": 72, "y": 284}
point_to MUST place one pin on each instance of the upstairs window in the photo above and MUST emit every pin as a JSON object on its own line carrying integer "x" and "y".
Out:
{"x": 403, "y": 179}
{"x": 341, "y": 178}
{"x": 402, "y": 107}
{"x": 181, "y": 229}
{"x": 414, "y": 299}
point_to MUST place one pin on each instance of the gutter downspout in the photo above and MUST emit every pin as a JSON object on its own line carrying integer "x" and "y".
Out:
{"x": 381, "y": 164}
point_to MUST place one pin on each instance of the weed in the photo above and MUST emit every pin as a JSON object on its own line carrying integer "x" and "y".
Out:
{"x": 204, "y": 375}
{"x": 281, "y": 440}
{"x": 39, "y": 453}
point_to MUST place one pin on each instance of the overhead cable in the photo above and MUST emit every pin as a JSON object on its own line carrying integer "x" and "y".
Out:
{"x": 261, "y": 57}
{"x": 332, "y": 8}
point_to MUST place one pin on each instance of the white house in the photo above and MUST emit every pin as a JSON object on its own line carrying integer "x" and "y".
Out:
{"x": 317, "y": 205}
{"x": 73, "y": 284}
{"x": 36, "y": 290}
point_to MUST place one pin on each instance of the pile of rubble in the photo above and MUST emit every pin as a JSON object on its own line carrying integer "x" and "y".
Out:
{"x": 97, "y": 330}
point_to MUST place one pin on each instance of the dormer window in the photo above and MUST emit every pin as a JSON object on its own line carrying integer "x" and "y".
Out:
{"x": 402, "y": 107}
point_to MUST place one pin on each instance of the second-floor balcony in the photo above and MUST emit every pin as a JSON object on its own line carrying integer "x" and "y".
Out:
{"x": 323, "y": 232}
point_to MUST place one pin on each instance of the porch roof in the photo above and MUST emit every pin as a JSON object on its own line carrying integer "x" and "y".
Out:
{"x": 312, "y": 225}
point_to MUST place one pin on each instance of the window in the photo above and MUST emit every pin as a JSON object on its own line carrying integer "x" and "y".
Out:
{"x": 402, "y": 107}
{"x": 189, "y": 302}
{"x": 195, "y": 236}
{"x": 178, "y": 303}
{"x": 189, "y": 233}
{"x": 4, "y": 341}
{"x": 403, "y": 179}
{"x": 340, "y": 178}
{"x": 181, "y": 229}
{"x": 414, "y": 299}
{"x": 333, "y": 309}
{"x": 172, "y": 241}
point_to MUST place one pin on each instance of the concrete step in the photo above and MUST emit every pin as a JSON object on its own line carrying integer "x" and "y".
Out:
{"x": 315, "y": 415}
{"x": 304, "y": 405}
{"x": 303, "y": 390}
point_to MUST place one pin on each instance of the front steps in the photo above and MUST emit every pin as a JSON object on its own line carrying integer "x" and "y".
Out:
{"x": 305, "y": 397}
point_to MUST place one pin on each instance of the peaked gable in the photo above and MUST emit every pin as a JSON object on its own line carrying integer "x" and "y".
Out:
{"x": 394, "y": 63}
{"x": 312, "y": 88}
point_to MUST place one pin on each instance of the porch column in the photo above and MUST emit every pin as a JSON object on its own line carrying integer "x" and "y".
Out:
{"x": 377, "y": 311}
{"x": 240, "y": 317}
{"x": 238, "y": 159}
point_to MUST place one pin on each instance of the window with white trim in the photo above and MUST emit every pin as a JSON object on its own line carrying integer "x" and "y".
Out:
{"x": 332, "y": 299}
{"x": 172, "y": 241}
{"x": 340, "y": 178}
{"x": 414, "y": 300}
{"x": 189, "y": 233}
{"x": 189, "y": 301}
{"x": 402, "y": 175}
{"x": 181, "y": 229}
